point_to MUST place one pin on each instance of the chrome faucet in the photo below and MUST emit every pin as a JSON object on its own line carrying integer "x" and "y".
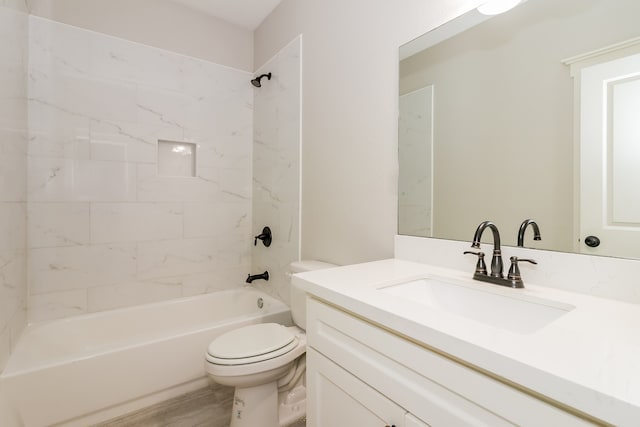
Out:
{"x": 523, "y": 228}
{"x": 513, "y": 279}
{"x": 496, "y": 260}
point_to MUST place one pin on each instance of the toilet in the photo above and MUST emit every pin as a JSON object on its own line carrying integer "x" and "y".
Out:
{"x": 266, "y": 364}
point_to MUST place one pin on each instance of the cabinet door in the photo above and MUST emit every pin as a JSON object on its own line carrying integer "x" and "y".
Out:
{"x": 335, "y": 398}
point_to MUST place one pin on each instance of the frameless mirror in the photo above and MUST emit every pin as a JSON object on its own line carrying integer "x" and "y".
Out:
{"x": 490, "y": 125}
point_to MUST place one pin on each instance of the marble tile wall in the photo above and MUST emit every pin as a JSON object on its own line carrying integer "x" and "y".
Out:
{"x": 276, "y": 168}
{"x": 105, "y": 229}
{"x": 13, "y": 172}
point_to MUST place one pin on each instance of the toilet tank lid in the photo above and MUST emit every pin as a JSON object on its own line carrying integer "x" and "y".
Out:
{"x": 309, "y": 265}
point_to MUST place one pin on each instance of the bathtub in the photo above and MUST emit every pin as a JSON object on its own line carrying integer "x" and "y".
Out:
{"x": 94, "y": 367}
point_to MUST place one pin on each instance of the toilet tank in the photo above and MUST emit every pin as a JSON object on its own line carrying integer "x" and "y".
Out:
{"x": 297, "y": 295}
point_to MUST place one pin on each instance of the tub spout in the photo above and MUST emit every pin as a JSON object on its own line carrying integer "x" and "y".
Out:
{"x": 251, "y": 278}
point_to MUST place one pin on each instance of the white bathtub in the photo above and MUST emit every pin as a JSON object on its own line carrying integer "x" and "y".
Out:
{"x": 94, "y": 367}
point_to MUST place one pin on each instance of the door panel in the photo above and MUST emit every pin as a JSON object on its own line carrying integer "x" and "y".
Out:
{"x": 610, "y": 155}
{"x": 337, "y": 398}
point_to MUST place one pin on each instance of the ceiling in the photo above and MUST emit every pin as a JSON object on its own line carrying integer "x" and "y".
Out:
{"x": 244, "y": 13}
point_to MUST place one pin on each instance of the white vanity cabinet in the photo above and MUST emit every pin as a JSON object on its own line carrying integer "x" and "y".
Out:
{"x": 340, "y": 399}
{"x": 360, "y": 374}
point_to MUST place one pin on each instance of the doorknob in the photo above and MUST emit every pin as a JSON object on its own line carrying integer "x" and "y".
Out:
{"x": 592, "y": 241}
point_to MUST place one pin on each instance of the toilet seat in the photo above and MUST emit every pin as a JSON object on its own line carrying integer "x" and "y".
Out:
{"x": 278, "y": 358}
{"x": 251, "y": 344}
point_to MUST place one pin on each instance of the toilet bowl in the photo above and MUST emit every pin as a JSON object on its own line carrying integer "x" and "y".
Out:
{"x": 266, "y": 364}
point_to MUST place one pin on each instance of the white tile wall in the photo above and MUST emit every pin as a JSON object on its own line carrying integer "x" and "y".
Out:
{"x": 276, "y": 168}
{"x": 13, "y": 168}
{"x": 12, "y": 153}
{"x": 56, "y": 269}
{"x": 213, "y": 219}
{"x": 105, "y": 230}
{"x": 131, "y": 222}
{"x": 59, "y": 224}
{"x": 56, "y": 305}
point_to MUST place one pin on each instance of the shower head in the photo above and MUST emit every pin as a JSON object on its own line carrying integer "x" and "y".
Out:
{"x": 256, "y": 81}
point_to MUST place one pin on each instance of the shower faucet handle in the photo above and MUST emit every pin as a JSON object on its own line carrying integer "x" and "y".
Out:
{"x": 266, "y": 237}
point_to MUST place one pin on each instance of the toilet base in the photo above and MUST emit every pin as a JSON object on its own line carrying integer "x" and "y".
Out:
{"x": 292, "y": 406}
{"x": 255, "y": 406}
{"x": 262, "y": 406}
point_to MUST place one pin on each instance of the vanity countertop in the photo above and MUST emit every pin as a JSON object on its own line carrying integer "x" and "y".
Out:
{"x": 587, "y": 359}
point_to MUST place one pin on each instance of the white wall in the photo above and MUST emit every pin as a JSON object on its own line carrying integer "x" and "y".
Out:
{"x": 106, "y": 229}
{"x": 349, "y": 115}
{"x": 13, "y": 170}
{"x": 159, "y": 23}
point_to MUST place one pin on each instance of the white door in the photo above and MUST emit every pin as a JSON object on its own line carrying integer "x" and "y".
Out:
{"x": 415, "y": 154}
{"x": 610, "y": 158}
{"x": 338, "y": 399}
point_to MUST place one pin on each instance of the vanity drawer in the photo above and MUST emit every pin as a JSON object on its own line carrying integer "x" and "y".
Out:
{"x": 435, "y": 388}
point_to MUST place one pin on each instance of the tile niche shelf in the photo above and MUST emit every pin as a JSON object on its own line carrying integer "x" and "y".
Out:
{"x": 176, "y": 158}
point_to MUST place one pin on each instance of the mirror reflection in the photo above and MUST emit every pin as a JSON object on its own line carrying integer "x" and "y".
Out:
{"x": 490, "y": 127}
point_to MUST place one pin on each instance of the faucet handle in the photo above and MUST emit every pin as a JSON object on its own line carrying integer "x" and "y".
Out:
{"x": 481, "y": 267}
{"x": 265, "y": 236}
{"x": 514, "y": 270}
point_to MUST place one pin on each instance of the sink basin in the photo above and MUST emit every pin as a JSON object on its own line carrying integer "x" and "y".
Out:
{"x": 516, "y": 313}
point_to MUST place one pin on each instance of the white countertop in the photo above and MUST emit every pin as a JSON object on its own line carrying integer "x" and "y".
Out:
{"x": 588, "y": 359}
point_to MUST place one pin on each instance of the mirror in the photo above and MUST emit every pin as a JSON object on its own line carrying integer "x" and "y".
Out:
{"x": 488, "y": 127}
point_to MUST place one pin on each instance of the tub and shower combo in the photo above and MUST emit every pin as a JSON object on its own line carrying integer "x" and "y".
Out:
{"x": 94, "y": 367}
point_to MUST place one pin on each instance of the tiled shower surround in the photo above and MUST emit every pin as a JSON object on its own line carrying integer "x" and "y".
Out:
{"x": 276, "y": 168}
{"x": 13, "y": 171}
{"x": 105, "y": 229}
